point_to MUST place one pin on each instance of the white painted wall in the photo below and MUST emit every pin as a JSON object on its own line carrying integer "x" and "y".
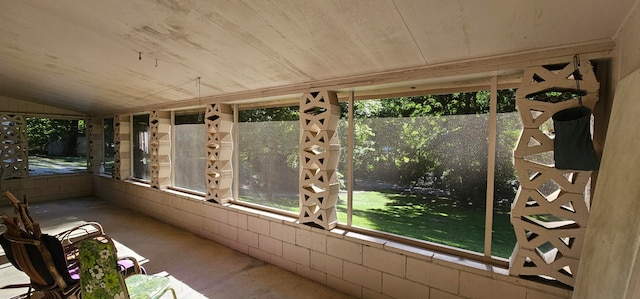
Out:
{"x": 610, "y": 263}
{"x": 628, "y": 44}
{"x": 612, "y": 242}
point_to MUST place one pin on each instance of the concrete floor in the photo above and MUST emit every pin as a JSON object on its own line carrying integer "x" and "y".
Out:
{"x": 200, "y": 268}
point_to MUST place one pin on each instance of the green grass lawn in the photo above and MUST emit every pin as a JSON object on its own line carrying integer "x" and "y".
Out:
{"x": 439, "y": 220}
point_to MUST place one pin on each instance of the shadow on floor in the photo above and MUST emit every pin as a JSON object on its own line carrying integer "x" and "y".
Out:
{"x": 200, "y": 267}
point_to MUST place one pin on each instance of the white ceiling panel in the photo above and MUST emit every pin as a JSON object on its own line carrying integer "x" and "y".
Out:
{"x": 85, "y": 55}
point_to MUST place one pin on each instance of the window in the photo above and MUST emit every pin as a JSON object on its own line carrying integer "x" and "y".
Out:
{"x": 140, "y": 147}
{"x": 420, "y": 165}
{"x": 420, "y": 169}
{"x": 189, "y": 157}
{"x": 109, "y": 146}
{"x": 268, "y": 157}
{"x": 505, "y": 177}
{"x": 56, "y": 146}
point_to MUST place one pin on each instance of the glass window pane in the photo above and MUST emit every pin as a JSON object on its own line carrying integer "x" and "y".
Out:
{"x": 56, "y": 146}
{"x": 109, "y": 146}
{"x": 420, "y": 167}
{"x": 268, "y": 156}
{"x": 343, "y": 134}
{"x": 190, "y": 155}
{"x": 505, "y": 177}
{"x": 140, "y": 147}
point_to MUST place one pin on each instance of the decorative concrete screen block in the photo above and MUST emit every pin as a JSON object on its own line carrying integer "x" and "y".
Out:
{"x": 13, "y": 150}
{"x": 160, "y": 141}
{"x": 319, "y": 153}
{"x": 550, "y": 212}
{"x": 90, "y": 141}
{"x": 95, "y": 144}
{"x": 122, "y": 147}
{"x": 219, "y": 147}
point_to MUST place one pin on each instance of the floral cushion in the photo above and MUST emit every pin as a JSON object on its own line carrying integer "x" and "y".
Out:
{"x": 146, "y": 286}
{"x": 99, "y": 275}
{"x": 100, "y": 278}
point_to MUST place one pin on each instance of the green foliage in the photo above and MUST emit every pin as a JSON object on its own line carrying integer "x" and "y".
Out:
{"x": 44, "y": 131}
{"x": 420, "y": 165}
{"x": 270, "y": 114}
{"x": 268, "y": 141}
{"x": 436, "y": 141}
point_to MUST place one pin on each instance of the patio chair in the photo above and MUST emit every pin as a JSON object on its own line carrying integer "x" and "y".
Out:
{"x": 67, "y": 237}
{"x": 51, "y": 267}
{"x": 42, "y": 259}
{"x": 100, "y": 279}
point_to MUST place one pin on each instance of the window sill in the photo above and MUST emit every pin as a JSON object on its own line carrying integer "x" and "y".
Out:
{"x": 450, "y": 257}
{"x": 396, "y": 243}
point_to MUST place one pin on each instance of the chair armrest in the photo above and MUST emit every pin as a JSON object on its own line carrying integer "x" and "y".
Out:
{"x": 72, "y": 237}
{"x": 80, "y": 232}
{"x": 125, "y": 268}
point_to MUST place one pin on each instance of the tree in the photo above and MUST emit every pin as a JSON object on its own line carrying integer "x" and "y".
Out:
{"x": 43, "y": 132}
{"x": 268, "y": 152}
{"x": 438, "y": 141}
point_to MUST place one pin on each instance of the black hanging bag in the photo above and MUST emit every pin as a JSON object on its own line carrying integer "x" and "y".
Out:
{"x": 572, "y": 147}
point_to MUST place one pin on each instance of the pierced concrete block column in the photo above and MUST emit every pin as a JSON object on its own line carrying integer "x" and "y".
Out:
{"x": 95, "y": 150}
{"x": 122, "y": 147}
{"x": 319, "y": 154}
{"x": 550, "y": 212}
{"x": 219, "y": 147}
{"x": 13, "y": 147}
{"x": 160, "y": 141}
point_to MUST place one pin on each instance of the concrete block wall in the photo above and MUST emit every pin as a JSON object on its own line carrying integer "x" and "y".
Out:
{"x": 49, "y": 187}
{"x": 360, "y": 265}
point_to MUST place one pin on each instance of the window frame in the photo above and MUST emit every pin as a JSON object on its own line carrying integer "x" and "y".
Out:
{"x": 484, "y": 257}
{"x": 173, "y": 153}
{"x": 86, "y": 121}
{"x": 235, "y": 133}
{"x": 104, "y": 144}
{"x": 132, "y": 144}
{"x": 489, "y": 200}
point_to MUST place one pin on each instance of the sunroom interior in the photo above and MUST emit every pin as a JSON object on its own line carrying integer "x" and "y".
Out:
{"x": 378, "y": 149}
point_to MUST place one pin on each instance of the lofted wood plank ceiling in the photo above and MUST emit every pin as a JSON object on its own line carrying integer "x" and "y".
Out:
{"x": 85, "y": 55}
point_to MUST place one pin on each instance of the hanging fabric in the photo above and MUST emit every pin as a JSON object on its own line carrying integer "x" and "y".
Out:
{"x": 573, "y": 146}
